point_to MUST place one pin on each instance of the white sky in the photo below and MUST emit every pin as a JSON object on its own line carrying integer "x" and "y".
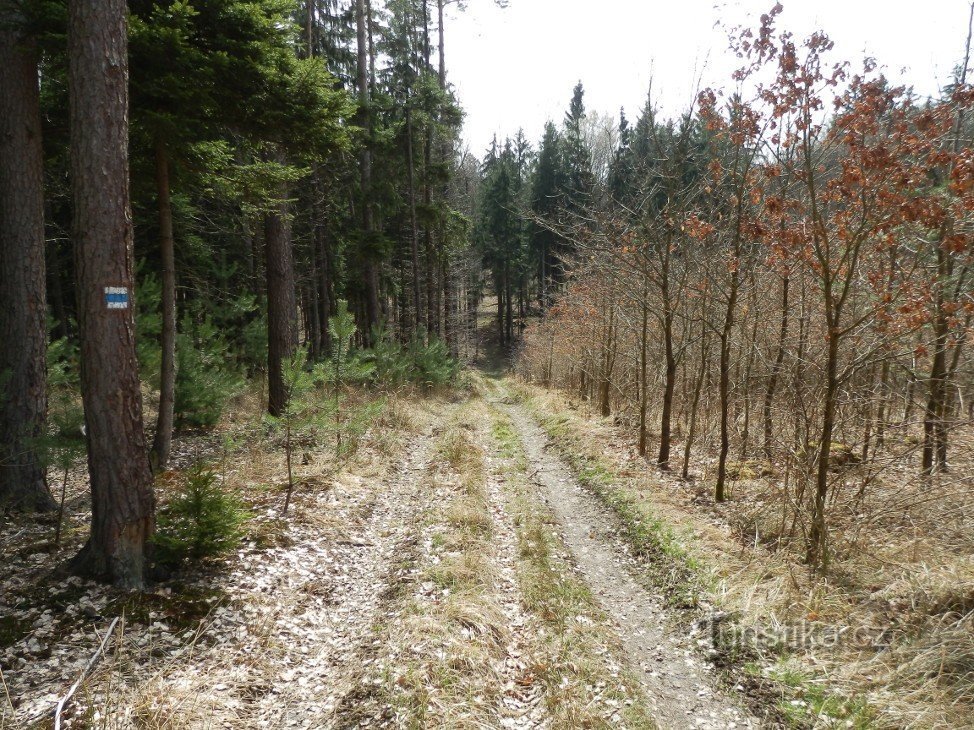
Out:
{"x": 516, "y": 67}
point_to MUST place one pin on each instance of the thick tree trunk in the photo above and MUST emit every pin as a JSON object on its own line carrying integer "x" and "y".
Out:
{"x": 282, "y": 308}
{"x": 162, "y": 443}
{"x": 23, "y": 302}
{"x": 123, "y": 504}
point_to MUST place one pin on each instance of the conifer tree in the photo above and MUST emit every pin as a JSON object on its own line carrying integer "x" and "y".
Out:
{"x": 23, "y": 314}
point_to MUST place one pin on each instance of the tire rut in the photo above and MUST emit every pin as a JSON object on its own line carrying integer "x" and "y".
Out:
{"x": 325, "y": 646}
{"x": 681, "y": 688}
{"x": 522, "y": 703}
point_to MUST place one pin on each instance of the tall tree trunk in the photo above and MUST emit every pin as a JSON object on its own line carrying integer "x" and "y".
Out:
{"x": 608, "y": 361}
{"x": 935, "y": 429}
{"x": 670, "y": 369}
{"x": 162, "y": 443}
{"x": 933, "y": 432}
{"x": 123, "y": 504}
{"x": 282, "y": 308}
{"x": 499, "y": 286}
{"x": 698, "y": 387}
{"x": 23, "y": 301}
{"x": 779, "y": 359}
{"x": 324, "y": 284}
{"x": 644, "y": 367}
{"x": 363, "y": 81}
{"x": 725, "y": 354}
{"x": 669, "y": 387}
{"x": 413, "y": 221}
{"x": 817, "y": 554}
{"x": 55, "y": 289}
{"x": 449, "y": 308}
{"x": 752, "y": 347}
{"x": 441, "y": 30}
{"x": 309, "y": 27}
{"x": 508, "y": 306}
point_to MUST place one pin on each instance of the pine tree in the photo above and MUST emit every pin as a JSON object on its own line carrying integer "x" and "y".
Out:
{"x": 579, "y": 179}
{"x": 23, "y": 314}
{"x": 547, "y": 186}
{"x": 123, "y": 505}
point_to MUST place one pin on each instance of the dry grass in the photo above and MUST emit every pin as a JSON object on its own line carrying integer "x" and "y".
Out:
{"x": 448, "y": 636}
{"x": 903, "y": 572}
{"x": 151, "y": 686}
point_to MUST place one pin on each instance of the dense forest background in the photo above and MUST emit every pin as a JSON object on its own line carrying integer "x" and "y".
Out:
{"x": 260, "y": 168}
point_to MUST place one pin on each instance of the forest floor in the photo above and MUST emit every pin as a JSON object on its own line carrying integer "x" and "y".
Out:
{"x": 492, "y": 555}
{"x": 454, "y": 573}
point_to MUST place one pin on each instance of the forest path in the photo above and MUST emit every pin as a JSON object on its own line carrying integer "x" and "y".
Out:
{"x": 317, "y": 643}
{"x": 462, "y": 578}
{"x": 283, "y": 646}
{"x": 682, "y": 689}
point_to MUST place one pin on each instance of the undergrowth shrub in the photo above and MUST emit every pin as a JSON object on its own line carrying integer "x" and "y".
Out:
{"x": 206, "y": 380}
{"x": 428, "y": 364}
{"x": 63, "y": 444}
{"x": 202, "y": 520}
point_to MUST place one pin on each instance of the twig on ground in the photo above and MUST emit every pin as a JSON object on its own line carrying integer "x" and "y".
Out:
{"x": 62, "y": 703}
{"x": 6, "y": 691}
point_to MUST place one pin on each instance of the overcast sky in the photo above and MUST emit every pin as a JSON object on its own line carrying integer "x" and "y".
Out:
{"x": 516, "y": 67}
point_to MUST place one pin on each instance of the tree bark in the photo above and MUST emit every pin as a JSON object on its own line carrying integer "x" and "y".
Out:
{"x": 365, "y": 167}
{"x": 725, "y": 353}
{"x": 282, "y": 308}
{"x": 817, "y": 554}
{"x": 643, "y": 366}
{"x": 697, "y": 388}
{"x": 669, "y": 386}
{"x": 123, "y": 504}
{"x": 413, "y": 222}
{"x": 162, "y": 443}
{"x": 23, "y": 301}
{"x": 442, "y": 33}
{"x": 934, "y": 455}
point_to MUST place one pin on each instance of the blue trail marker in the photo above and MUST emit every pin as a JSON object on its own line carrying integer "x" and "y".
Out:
{"x": 116, "y": 297}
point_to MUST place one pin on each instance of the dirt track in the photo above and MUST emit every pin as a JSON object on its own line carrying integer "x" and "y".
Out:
{"x": 306, "y": 636}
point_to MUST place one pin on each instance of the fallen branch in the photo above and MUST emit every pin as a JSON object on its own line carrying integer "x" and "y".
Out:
{"x": 63, "y": 702}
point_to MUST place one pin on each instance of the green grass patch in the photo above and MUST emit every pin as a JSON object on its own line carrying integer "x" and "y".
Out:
{"x": 669, "y": 565}
{"x": 805, "y": 702}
